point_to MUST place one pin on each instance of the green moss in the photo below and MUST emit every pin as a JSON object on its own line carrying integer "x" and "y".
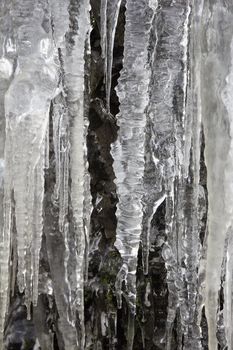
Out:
{"x": 110, "y": 298}
{"x": 28, "y": 344}
{"x": 105, "y": 279}
{"x": 114, "y": 254}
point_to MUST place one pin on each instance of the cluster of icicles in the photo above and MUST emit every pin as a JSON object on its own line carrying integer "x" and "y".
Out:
{"x": 177, "y": 77}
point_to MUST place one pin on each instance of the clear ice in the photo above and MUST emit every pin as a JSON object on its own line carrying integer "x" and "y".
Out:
{"x": 39, "y": 46}
{"x": 175, "y": 122}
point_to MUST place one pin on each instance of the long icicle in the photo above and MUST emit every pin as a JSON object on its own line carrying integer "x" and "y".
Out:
{"x": 74, "y": 82}
{"x": 35, "y": 81}
{"x": 217, "y": 86}
{"x": 128, "y": 166}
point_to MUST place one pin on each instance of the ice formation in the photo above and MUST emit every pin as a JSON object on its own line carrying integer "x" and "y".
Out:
{"x": 133, "y": 87}
{"x": 217, "y": 119}
{"x": 184, "y": 50}
{"x": 174, "y": 125}
{"x": 39, "y": 44}
{"x": 108, "y": 17}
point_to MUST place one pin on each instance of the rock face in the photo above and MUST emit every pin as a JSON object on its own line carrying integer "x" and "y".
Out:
{"x": 116, "y": 175}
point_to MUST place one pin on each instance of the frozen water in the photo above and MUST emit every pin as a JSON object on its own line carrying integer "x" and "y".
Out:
{"x": 175, "y": 122}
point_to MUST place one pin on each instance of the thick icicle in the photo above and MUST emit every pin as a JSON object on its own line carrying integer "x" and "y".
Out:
{"x": 34, "y": 83}
{"x": 7, "y": 55}
{"x": 132, "y": 91}
{"x": 165, "y": 175}
{"x": 69, "y": 138}
{"x": 195, "y": 201}
{"x": 217, "y": 94}
{"x": 57, "y": 230}
{"x": 171, "y": 173}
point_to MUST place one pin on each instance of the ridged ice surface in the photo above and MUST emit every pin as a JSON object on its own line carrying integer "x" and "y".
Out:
{"x": 133, "y": 96}
{"x": 38, "y": 45}
{"x": 33, "y": 82}
{"x": 183, "y": 60}
{"x": 161, "y": 172}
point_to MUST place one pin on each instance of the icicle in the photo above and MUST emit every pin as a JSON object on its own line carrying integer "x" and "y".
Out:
{"x": 217, "y": 85}
{"x": 167, "y": 163}
{"x": 103, "y": 26}
{"x": 34, "y": 85}
{"x": 69, "y": 139}
{"x": 57, "y": 116}
{"x": 74, "y": 82}
{"x": 109, "y": 17}
{"x": 164, "y": 139}
{"x": 59, "y": 21}
{"x": 228, "y": 275}
{"x": 27, "y": 184}
{"x": 228, "y": 309}
{"x": 186, "y": 120}
{"x": 6, "y": 72}
{"x": 37, "y": 220}
{"x": 194, "y": 93}
{"x": 128, "y": 166}
{"x": 63, "y": 198}
{"x": 61, "y": 151}
{"x": 47, "y": 148}
{"x": 194, "y": 196}
{"x": 87, "y": 204}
